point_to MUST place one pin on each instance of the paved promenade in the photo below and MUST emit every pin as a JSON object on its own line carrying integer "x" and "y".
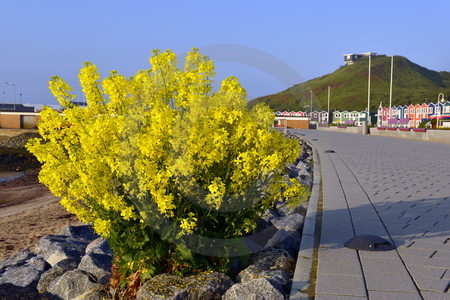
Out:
{"x": 393, "y": 188}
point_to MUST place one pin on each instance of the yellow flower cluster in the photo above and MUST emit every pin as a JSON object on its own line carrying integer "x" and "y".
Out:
{"x": 188, "y": 224}
{"x": 162, "y": 136}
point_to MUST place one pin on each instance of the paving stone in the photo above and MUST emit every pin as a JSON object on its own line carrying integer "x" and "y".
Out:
{"x": 435, "y": 296}
{"x": 337, "y": 297}
{"x": 339, "y": 261}
{"x": 392, "y": 282}
{"x": 370, "y": 227}
{"x": 432, "y": 284}
{"x": 412, "y": 251}
{"x": 379, "y": 295}
{"x": 381, "y": 264}
{"x": 426, "y": 271}
{"x": 432, "y": 262}
{"x": 438, "y": 243}
{"x": 341, "y": 285}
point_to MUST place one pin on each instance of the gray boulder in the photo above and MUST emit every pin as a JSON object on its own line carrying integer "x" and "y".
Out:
{"x": 279, "y": 279}
{"x": 93, "y": 295}
{"x": 73, "y": 284}
{"x": 67, "y": 264}
{"x": 48, "y": 277}
{"x": 19, "y": 259}
{"x": 283, "y": 209}
{"x": 55, "y": 248}
{"x": 10, "y": 291}
{"x": 270, "y": 214}
{"x": 275, "y": 265}
{"x": 202, "y": 286}
{"x": 291, "y": 222}
{"x": 306, "y": 180}
{"x": 39, "y": 263}
{"x": 287, "y": 240}
{"x": 273, "y": 259}
{"x": 259, "y": 288}
{"x": 163, "y": 286}
{"x": 98, "y": 265}
{"x": 99, "y": 246}
{"x": 211, "y": 285}
{"x": 81, "y": 232}
{"x": 23, "y": 276}
{"x": 303, "y": 168}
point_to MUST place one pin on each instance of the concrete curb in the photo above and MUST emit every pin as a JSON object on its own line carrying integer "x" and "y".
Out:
{"x": 301, "y": 281}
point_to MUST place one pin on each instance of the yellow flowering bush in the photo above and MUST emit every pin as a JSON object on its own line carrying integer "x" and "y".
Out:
{"x": 159, "y": 158}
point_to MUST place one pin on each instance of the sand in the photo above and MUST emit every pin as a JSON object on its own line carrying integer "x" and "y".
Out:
{"x": 28, "y": 211}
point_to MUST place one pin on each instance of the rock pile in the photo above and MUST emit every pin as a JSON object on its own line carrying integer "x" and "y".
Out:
{"x": 66, "y": 266}
{"x": 18, "y": 141}
{"x": 14, "y": 156}
{"x": 76, "y": 263}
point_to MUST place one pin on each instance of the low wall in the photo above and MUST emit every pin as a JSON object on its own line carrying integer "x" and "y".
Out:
{"x": 357, "y": 130}
{"x": 440, "y": 136}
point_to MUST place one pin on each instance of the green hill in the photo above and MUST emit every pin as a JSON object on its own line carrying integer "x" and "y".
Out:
{"x": 411, "y": 84}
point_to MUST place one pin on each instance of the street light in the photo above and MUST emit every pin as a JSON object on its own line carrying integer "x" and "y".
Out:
{"x": 390, "y": 88}
{"x": 328, "y": 116}
{"x": 368, "y": 91}
{"x": 442, "y": 100}
{"x": 9, "y": 83}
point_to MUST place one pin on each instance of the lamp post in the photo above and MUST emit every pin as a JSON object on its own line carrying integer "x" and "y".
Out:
{"x": 442, "y": 100}
{"x": 368, "y": 91}
{"x": 390, "y": 89}
{"x": 328, "y": 116}
{"x": 9, "y": 83}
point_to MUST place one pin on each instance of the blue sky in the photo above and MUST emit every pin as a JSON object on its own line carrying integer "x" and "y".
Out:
{"x": 268, "y": 45}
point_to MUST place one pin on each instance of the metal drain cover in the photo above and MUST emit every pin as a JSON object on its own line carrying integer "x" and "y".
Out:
{"x": 369, "y": 243}
{"x": 329, "y": 151}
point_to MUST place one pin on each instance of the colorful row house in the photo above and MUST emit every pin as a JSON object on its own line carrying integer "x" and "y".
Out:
{"x": 318, "y": 117}
{"x": 323, "y": 118}
{"x": 351, "y": 117}
{"x": 413, "y": 114}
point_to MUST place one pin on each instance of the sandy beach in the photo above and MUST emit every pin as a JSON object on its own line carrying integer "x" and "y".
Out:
{"x": 28, "y": 211}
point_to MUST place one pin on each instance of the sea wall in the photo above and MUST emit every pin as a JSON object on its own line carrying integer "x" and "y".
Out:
{"x": 421, "y": 134}
{"x": 352, "y": 129}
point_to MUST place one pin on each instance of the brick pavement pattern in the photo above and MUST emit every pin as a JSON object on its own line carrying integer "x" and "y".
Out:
{"x": 393, "y": 188}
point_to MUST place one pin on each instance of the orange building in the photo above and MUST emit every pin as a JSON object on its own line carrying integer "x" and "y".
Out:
{"x": 18, "y": 120}
{"x": 292, "y": 122}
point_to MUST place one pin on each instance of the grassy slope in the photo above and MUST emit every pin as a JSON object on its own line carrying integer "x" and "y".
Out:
{"x": 412, "y": 84}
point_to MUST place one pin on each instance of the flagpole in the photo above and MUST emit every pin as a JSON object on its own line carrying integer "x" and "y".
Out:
{"x": 368, "y": 91}
{"x": 328, "y": 118}
{"x": 390, "y": 90}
